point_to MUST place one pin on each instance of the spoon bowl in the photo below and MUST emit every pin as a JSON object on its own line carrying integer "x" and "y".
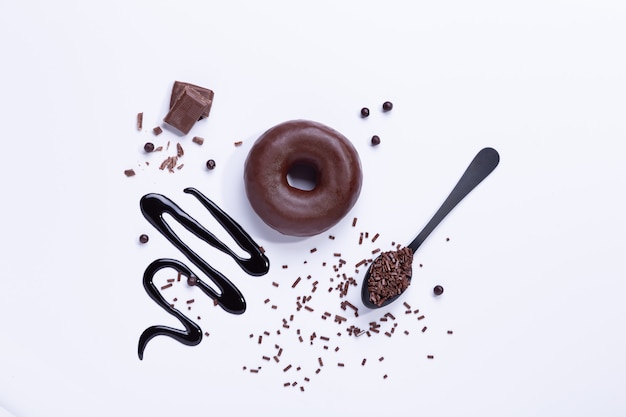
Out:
{"x": 485, "y": 161}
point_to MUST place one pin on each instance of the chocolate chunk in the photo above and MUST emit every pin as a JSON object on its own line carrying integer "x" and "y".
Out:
{"x": 180, "y": 86}
{"x": 187, "y": 109}
{"x": 157, "y": 130}
{"x": 139, "y": 121}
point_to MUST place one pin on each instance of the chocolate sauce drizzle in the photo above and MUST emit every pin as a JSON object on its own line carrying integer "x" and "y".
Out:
{"x": 153, "y": 206}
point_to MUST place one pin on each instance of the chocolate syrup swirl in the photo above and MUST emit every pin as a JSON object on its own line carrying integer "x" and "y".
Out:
{"x": 192, "y": 335}
{"x": 153, "y": 206}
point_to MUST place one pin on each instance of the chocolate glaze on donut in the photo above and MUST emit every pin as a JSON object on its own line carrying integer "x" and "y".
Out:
{"x": 290, "y": 210}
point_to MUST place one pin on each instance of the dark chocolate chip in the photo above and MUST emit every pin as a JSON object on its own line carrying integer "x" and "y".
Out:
{"x": 365, "y": 112}
{"x": 148, "y": 147}
{"x": 387, "y": 105}
{"x": 438, "y": 290}
{"x": 375, "y": 140}
{"x": 143, "y": 238}
{"x": 210, "y": 164}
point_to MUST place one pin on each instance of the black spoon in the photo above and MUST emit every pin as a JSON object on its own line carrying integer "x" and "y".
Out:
{"x": 481, "y": 166}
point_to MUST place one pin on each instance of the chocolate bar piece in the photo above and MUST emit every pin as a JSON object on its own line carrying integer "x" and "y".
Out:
{"x": 187, "y": 109}
{"x": 180, "y": 86}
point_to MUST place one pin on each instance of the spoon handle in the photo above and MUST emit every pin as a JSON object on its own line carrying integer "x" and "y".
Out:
{"x": 481, "y": 166}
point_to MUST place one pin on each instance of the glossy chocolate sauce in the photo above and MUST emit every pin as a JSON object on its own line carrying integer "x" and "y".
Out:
{"x": 153, "y": 206}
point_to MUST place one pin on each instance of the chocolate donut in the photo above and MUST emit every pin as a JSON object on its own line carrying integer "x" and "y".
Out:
{"x": 290, "y": 210}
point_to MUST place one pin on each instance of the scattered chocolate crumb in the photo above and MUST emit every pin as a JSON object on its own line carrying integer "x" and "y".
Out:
{"x": 239, "y": 143}
{"x": 139, "y": 121}
{"x": 421, "y": 317}
{"x": 424, "y": 329}
{"x": 157, "y": 130}
{"x": 191, "y": 301}
{"x": 313, "y": 250}
{"x": 447, "y": 239}
{"x": 148, "y": 147}
{"x": 365, "y": 112}
{"x": 129, "y": 172}
{"x": 210, "y": 164}
{"x": 285, "y": 266}
{"x": 450, "y": 332}
{"x": 430, "y": 356}
{"x": 340, "y": 364}
{"x": 275, "y": 284}
{"x": 143, "y": 238}
{"x": 438, "y": 290}
{"x": 158, "y": 149}
{"x": 354, "y": 222}
{"x": 179, "y": 150}
{"x": 375, "y": 140}
{"x": 166, "y": 286}
{"x": 192, "y": 280}
{"x": 198, "y": 140}
{"x": 387, "y": 106}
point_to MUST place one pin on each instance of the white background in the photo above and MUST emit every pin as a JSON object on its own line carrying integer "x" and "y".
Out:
{"x": 533, "y": 272}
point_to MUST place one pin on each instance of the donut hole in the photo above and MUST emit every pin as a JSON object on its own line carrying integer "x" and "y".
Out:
{"x": 302, "y": 175}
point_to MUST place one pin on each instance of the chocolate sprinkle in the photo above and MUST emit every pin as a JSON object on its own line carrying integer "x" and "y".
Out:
{"x": 375, "y": 140}
{"x": 390, "y": 275}
{"x": 438, "y": 290}
{"x": 387, "y": 105}
{"x": 365, "y": 112}
{"x": 144, "y": 238}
